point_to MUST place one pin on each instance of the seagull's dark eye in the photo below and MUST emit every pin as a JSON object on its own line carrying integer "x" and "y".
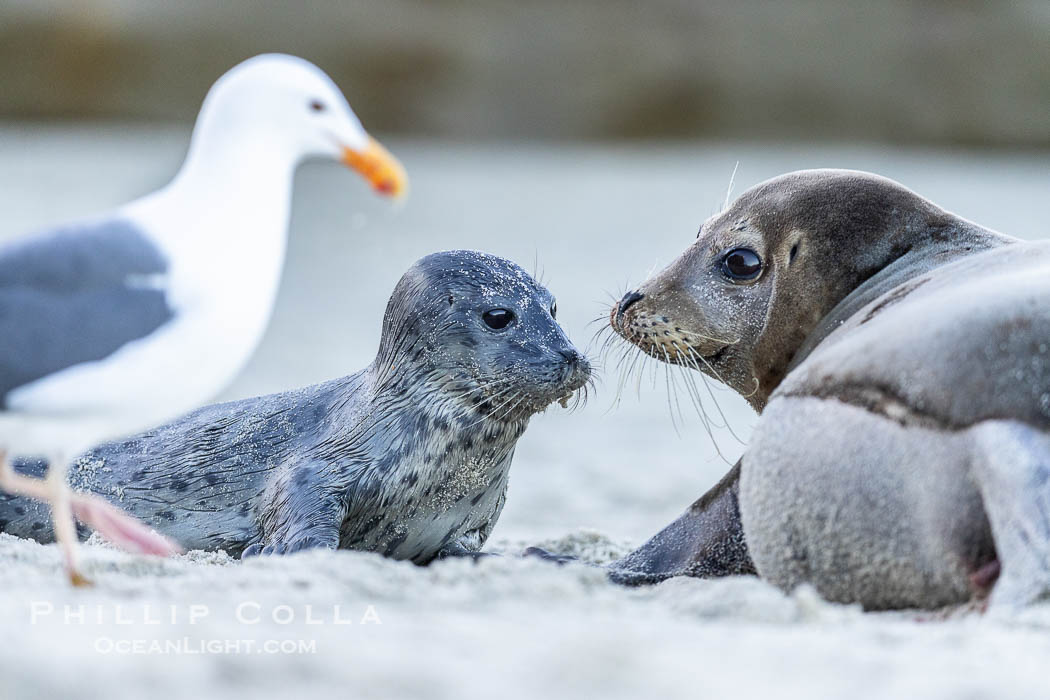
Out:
{"x": 317, "y": 106}
{"x": 554, "y": 310}
{"x": 498, "y": 319}
{"x": 741, "y": 264}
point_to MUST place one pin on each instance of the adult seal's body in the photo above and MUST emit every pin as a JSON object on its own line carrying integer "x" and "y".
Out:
{"x": 408, "y": 457}
{"x": 899, "y": 357}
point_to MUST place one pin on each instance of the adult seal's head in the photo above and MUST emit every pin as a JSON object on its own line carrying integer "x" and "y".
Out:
{"x": 897, "y": 355}
{"x": 761, "y": 284}
{"x": 480, "y": 331}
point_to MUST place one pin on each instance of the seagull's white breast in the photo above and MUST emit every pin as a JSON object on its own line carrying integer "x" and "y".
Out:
{"x": 225, "y": 258}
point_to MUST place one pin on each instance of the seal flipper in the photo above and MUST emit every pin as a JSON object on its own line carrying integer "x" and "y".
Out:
{"x": 300, "y": 512}
{"x": 456, "y": 549}
{"x": 1012, "y": 471}
{"x": 707, "y": 541}
{"x": 290, "y": 547}
{"x": 540, "y": 553}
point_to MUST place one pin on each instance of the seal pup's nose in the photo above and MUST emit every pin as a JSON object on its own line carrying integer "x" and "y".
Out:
{"x": 572, "y": 357}
{"x": 576, "y": 371}
{"x": 628, "y": 299}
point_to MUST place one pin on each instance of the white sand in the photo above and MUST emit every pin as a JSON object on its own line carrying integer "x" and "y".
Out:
{"x": 502, "y": 628}
{"x": 596, "y": 219}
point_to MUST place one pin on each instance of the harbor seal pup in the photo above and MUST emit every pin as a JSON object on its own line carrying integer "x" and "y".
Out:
{"x": 408, "y": 457}
{"x": 898, "y": 356}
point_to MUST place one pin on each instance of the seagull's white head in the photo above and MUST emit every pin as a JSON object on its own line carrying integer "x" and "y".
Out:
{"x": 289, "y": 106}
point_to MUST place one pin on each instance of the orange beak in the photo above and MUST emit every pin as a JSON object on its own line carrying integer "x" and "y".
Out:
{"x": 382, "y": 170}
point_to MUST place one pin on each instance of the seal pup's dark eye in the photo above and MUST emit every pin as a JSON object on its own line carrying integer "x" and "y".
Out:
{"x": 741, "y": 264}
{"x": 554, "y": 310}
{"x": 498, "y": 319}
{"x": 317, "y": 106}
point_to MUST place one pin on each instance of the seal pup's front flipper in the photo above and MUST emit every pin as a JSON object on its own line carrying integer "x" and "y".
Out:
{"x": 286, "y": 547}
{"x": 457, "y": 549}
{"x": 300, "y": 511}
{"x": 541, "y": 553}
{"x": 707, "y": 541}
{"x": 1012, "y": 471}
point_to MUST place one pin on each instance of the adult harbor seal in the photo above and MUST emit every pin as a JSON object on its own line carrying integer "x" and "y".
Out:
{"x": 408, "y": 457}
{"x": 899, "y": 357}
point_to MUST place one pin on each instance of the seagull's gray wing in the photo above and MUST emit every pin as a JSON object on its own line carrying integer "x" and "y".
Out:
{"x": 75, "y": 295}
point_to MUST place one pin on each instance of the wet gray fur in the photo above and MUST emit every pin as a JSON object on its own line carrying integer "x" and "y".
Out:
{"x": 408, "y": 457}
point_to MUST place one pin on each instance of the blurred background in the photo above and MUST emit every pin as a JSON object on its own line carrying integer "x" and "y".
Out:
{"x": 587, "y": 140}
{"x": 974, "y": 72}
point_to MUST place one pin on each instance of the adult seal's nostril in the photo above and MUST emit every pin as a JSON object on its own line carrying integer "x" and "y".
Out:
{"x": 628, "y": 299}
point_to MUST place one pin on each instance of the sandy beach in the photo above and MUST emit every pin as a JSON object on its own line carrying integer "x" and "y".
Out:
{"x": 596, "y": 482}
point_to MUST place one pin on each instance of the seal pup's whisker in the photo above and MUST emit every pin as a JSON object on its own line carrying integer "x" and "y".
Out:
{"x": 500, "y": 400}
{"x": 509, "y": 411}
{"x": 583, "y": 395}
{"x": 496, "y": 402}
{"x": 485, "y": 391}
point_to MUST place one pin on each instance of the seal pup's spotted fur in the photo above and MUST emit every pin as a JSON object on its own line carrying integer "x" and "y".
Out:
{"x": 408, "y": 457}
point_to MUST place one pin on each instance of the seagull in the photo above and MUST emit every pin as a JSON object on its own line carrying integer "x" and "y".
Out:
{"x": 118, "y": 323}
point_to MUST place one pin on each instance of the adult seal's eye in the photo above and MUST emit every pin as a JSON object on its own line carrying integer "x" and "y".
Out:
{"x": 498, "y": 319}
{"x": 741, "y": 264}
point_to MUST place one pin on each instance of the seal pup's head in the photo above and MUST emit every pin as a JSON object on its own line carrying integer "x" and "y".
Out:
{"x": 742, "y": 300}
{"x": 483, "y": 331}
